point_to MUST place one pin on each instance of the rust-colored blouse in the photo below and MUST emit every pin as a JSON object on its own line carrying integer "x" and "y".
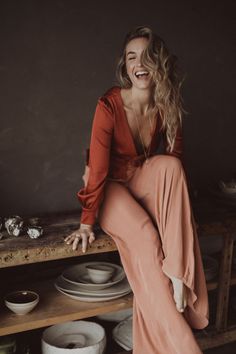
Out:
{"x": 113, "y": 154}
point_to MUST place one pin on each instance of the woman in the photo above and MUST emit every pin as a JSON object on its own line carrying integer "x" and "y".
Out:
{"x": 140, "y": 198}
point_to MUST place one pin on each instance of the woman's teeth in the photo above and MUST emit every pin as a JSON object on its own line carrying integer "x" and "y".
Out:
{"x": 139, "y": 74}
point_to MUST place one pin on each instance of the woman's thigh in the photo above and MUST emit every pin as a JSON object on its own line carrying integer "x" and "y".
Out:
{"x": 127, "y": 221}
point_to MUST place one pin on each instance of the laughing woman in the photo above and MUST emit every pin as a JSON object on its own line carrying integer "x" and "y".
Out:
{"x": 140, "y": 198}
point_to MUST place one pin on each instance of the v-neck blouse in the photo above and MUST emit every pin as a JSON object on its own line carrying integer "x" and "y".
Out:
{"x": 112, "y": 152}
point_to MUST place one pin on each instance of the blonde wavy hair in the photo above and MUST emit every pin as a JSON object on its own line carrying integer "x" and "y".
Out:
{"x": 166, "y": 79}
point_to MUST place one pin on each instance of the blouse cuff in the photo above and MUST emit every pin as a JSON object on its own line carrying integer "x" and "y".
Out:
{"x": 88, "y": 217}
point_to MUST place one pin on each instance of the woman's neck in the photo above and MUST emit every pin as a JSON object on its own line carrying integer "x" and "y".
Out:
{"x": 141, "y": 100}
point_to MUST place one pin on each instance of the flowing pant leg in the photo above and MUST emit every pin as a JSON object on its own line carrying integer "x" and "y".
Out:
{"x": 158, "y": 328}
{"x": 160, "y": 187}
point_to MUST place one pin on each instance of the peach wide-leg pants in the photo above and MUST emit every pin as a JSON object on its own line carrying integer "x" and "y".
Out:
{"x": 151, "y": 221}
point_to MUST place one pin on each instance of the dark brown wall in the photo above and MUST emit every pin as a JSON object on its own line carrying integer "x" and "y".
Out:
{"x": 58, "y": 57}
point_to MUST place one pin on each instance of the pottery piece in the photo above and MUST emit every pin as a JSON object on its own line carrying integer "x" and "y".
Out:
{"x": 122, "y": 333}
{"x": 99, "y": 274}
{"x": 78, "y": 275}
{"x": 21, "y": 302}
{"x": 75, "y": 337}
{"x": 34, "y": 231}
{"x": 116, "y": 316}
{"x": 7, "y": 345}
{"x": 14, "y": 225}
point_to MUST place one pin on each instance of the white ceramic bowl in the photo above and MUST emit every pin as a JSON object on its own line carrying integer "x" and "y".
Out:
{"x": 122, "y": 333}
{"x": 21, "y": 302}
{"x": 99, "y": 274}
{"x": 116, "y": 316}
{"x": 77, "y": 337}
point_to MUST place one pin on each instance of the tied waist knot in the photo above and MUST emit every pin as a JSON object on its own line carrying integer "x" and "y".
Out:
{"x": 134, "y": 163}
{"x": 122, "y": 170}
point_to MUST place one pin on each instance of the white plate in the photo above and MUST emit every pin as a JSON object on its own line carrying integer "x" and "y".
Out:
{"x": 78, "y": 272}
{"x": 116, "y": 316}
{"x": 122, "y": 333}
{"x": 73, "y": 289}
{"x": 92, "y": 298}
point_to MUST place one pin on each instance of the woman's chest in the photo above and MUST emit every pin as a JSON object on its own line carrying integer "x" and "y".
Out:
{"x": 133, "y": 134}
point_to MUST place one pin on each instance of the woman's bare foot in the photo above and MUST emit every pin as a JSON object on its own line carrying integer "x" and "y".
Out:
{"x": 180, "y": 294}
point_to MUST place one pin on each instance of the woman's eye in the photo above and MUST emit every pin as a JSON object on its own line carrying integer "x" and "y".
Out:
{"x": 131, "y": 58}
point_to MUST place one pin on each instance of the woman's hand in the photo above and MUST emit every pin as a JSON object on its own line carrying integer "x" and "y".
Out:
{"x": 84, "y": 233}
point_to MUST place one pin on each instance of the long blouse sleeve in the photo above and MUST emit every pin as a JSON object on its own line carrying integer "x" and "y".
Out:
{"x": 91, "y": 195}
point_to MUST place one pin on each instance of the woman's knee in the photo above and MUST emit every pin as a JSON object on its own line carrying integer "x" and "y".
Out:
{"x": 169, "y": 163}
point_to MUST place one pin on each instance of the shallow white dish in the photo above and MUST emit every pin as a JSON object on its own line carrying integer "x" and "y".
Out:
{"x": 78, "y": 275}
{"x": 90, "y": 298}
{"x": 73, "y": 289}
{"x": 116, "y": 316}
{"x": 77, "y": 337}
{"x": 123, "y": 333}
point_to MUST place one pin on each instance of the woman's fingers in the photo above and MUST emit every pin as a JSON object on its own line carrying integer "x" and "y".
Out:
{"x": 70, "y": 239}
{"x": 91, "y": 237}
{"x": 85, "y": 235}
{"x": 76, "y": 242}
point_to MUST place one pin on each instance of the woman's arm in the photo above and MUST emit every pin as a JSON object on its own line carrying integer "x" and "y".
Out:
{"x": 91, "y": 195}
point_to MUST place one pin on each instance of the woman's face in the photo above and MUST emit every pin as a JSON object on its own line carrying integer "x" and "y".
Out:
{"x": 139, "y": 76}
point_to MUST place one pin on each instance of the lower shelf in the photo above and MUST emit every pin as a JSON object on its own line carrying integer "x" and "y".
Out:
{"x": 55, "y": 307}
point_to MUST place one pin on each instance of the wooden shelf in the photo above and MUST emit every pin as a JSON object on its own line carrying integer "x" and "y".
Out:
{"x": 51, "y": 246}
{"x": 55, "y": 307}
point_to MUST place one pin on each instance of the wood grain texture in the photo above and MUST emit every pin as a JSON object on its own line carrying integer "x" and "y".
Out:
{"x": 55, "y": 307}
{"x": 51, "y": 246}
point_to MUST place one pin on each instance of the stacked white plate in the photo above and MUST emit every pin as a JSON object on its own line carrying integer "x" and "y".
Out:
{"x": 116, "y": 316}
{"x": 210, "y": 266}
{"x": 75, "y": 283}
{"x": 122, "y": 333}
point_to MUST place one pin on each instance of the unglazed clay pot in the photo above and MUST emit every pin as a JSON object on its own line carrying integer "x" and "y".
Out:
{"x": 14, "y": 225}
{"x": 34, "y": 231}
